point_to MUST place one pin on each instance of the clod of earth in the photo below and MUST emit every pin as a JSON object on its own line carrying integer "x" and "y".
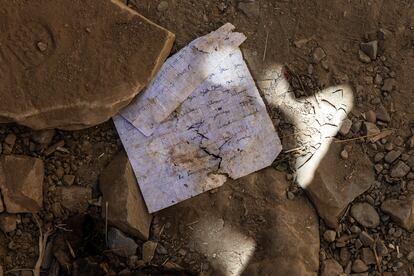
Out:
{"x": 76, "y": 64}
{"x": 126, "y": 207}
{"x": 21, "y": 183}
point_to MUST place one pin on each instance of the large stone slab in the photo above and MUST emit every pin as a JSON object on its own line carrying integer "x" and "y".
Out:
{"x": 74, "y": 64}
{"x": 126, "y": 207}
{"x": 21, "y": 183}
{"x": 248, "y": 227}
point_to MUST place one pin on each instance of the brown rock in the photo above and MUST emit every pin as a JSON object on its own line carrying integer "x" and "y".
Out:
{"x": 1, "y": 204}
{"x": 73, "y": 83}
{"x": 371, "y": 116}
{"x": 289, "y": 227}
{"x": 68, "y": 179}
{"x": 331, "y": 267}
{"x": 400, "y": 170}
{"x": 400, "y": 211}
{"x": 332, "y": 192}
{"x": 21, "y": 183}
{"x": 43, "y": 137}
{"x": 74, "y": 198}
{"x": 365, "y": 214}
{"x": 367, "y": 255}
{"x": 359, "y": 266}
{"x": 148, "y": 251}
{"x": 126, "y": 207}
{"x": 8, "y": 222}
{"x": 120, "y": 244}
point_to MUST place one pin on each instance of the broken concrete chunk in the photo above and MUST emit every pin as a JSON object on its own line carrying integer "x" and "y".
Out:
{"x": 75, "y": 84}
{"x": 370, "y": 49}
{"x": 74, "y": 198}
{"x": 121, "y": 244}
{"x": 331, "y": 193}
{"x": 8, "y": 222}
{"x": 400, "y": 211}
{"x": 21, "y": 183}
{"x": 126, "y": 207}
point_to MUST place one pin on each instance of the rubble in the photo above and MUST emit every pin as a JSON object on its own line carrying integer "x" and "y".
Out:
{"x": 21, "y": 183}
{"x": 121, "y": 244}
{"x": 75, "y": 84}
{"x": 400, "y": 211}
{"x": 126, "y": 207}
{"x": 74, "y": 198}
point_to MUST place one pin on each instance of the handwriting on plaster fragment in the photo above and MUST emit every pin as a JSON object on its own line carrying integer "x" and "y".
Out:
{"x": 220, "y": 129}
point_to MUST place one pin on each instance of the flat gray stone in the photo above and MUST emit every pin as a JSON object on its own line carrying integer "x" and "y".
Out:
{"x": 365, "y": 214}
{"x": 400, "y": 211}
{"x": 121, "y": 244}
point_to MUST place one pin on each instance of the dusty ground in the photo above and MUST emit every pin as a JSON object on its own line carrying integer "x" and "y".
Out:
{"x": 280, "y": 32}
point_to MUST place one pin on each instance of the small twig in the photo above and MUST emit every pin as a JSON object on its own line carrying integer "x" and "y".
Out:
{"x": 265, "y": 48}
{"x": 377, "y": 260}
{"x": 294, "y": 149}
{"x": 42, "y": 246}
{"x": 106, "y": 222}
{"x": 360, "y": 137}
{"x": 17, "y": 269}
{"x": 72, "y": 252}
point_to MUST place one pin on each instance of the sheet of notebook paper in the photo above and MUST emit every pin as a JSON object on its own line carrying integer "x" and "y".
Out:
{"x": 182, "y": 143}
